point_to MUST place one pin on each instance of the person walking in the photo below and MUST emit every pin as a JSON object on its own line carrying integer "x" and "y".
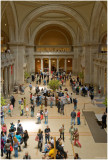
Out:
{"x": 71, "y": 131}
{"x": 78, "y": 117}
{"x": 40, "y": 142}
{"x": 73, "y": 116}
{"x": 104, "y": 120}
{"x": 47, "y": 134}
{"x": 25, "y": 138}
{"x": 76, "y": 136}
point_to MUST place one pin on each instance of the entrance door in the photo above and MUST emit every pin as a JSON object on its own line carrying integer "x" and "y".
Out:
{"x": 37, "y": 65}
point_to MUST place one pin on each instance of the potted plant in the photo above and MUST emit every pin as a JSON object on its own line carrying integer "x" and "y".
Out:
{"x": 27, "y": 77}
{"x": 54, "y": 84}
{"x": 3, "y": 101}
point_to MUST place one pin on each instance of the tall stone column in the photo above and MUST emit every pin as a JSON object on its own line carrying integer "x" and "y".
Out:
{"x": 42, "y": 64}
{"x": 6, "y": 83}
{"x": 18, "y": 51}
{"x": 57, "y": 64}
{"x": 65, "y": 65}
{"x": 10, "y": 79}
{"x": 49, "y": 66}
{"x": 95, "y": 78}
{"x": 31, "y": 63}
{"x": 102, "y": 79}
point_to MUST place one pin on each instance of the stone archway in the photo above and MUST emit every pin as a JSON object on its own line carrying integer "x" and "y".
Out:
{"x": 57, "y": 8}
{"x": 56, "y": 23}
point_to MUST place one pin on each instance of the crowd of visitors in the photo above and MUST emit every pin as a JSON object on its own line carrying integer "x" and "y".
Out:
{"x": 43, "y": 97}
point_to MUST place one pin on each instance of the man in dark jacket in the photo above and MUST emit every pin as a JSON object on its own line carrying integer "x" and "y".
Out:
{"x": 73, "y": 116}
{"x": 104, "y": 120}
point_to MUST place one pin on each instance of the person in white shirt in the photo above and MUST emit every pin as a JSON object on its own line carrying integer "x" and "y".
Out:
{"x": 38, "y": 117}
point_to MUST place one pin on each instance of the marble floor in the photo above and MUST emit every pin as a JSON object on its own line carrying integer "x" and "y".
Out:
{"x": 89, "y": 150}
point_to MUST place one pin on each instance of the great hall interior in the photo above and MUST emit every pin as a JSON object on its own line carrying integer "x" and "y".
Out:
{"x": 49, "y": 36}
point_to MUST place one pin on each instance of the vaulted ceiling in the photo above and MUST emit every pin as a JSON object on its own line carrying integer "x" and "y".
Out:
{"x": 83, "y": 9}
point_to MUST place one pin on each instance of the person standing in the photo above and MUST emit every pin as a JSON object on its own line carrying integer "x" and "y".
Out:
{"x": 30, "y": 86}
{"x": 46, "y": 115}
{"x": 59, "y": 106}
{"x": 41, "y": 110}
{"x": 4, "y": 129}
{"x": 32, "y": 110}
{"x": 73, "y": 116}
{"x": 2, "y": 147}
{"x": 61, "y": 130}
{"x": 51, "y": 101}
{"x": 75, "y": 103}
{"x": 78, "y": 117}
{"x": 22, "y": 109}
{"x": 62, "y": 107}
{"x": 38, "y": 117}
{"x": 76, "y": 136}
{"x": 7, "y": 147}
{"x": 13, "y": 101}
{"x": 47, "y": 134}
{"x": 11, "y": 109}
{"x": 71, "y": 131}
{"x": 104, "y": 120}
{"x": 27, "y": 110}
{"x": 15, "y": 146}
{"x": 92, "y": 97}
{"x": 24, "y": 102}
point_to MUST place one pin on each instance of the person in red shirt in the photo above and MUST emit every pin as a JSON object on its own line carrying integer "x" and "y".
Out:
{"x": 78, "y": 117}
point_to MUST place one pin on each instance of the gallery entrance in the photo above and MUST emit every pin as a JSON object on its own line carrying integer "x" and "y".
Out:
{"x": 69, "y": 65}
{"x": 53, "y": 65}
{"x": 37, "y": 65}
{"x": 45, "y": 65}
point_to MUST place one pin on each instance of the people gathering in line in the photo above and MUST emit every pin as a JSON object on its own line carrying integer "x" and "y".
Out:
{"x": 39, "y": 101}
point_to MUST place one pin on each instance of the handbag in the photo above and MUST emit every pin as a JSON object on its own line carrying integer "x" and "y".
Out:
{"x": 37, "y": 138}
{"x": 11, "y": 148}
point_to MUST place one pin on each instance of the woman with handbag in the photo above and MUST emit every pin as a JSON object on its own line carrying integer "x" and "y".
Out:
{"x": 15, "y": 146}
